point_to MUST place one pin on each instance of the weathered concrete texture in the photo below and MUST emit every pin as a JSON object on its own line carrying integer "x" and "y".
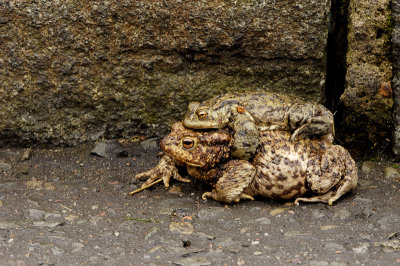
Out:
{"x": 395, "y": 21}
{"x": 367, "y": 116}
{"x": 73, "y": 71}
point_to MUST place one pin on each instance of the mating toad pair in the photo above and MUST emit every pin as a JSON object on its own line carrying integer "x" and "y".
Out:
{"x": 258, "y": 144}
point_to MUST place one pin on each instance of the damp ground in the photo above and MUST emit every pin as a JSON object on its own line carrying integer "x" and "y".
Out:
{"x": 66, "y": 206}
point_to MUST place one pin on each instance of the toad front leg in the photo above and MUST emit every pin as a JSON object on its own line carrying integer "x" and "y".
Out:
{"x": 236, "y": 176}
{"x": 165, "y": 169}
{"x": 246, "y": 136}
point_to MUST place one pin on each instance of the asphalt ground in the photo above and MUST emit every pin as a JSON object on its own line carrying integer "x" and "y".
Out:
{"x": 66, "y": 206}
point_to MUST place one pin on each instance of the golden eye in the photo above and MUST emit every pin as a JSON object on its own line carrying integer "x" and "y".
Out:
{"x": 187, "y": 143}
{"x": 201, "y": 114}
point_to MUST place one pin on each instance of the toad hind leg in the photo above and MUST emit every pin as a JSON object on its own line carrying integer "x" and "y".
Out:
{"x": 215, "y": 196}
{"x": 236, "y": 176}
{"x": 345, "y": 166}
{"x": 316, "y": 126}
{"x": 331, "y": 196}
{"x": 325, "y": 198}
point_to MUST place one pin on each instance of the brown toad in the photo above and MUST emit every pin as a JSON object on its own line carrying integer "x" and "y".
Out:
{"x": 280, "y": 169}
{"x": 259, "y": 112}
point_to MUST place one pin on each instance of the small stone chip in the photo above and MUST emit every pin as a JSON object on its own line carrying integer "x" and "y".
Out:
{"x": 175, "y": 190}
{"x": 184, "y": 228}
{"x": 26, "y": 155}
{"x": 277, "y": 211}
{"x": 71, "y": 217}
{"x": 368, "y": 166}
{"x": 363, "y": 248}
{"x": 193, "y": 260}
{"x": 4, "y": 166}
{"x": 151, "y": 232}
{"x": 391, "y": 173}
{"x": 328, "y": 227}
{"x": 34, "y": 184}
{"x": 49, "y": 186}
{"x": 205, "y": 236}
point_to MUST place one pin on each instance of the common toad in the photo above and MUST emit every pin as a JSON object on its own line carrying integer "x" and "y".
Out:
{"x": 280, "y": 169}
{"x": 259, "y": 112}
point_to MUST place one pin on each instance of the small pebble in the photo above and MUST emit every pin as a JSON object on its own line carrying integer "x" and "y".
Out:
{"x": 328, "y": 227}
{"x": 48, "y": 224}
{"x": 277, "y": 211}
{"x": 57, "y": 251}
{"x": 391, "y": 173}
{"x": 184, "y": 228}
{"x": 210, "y": 212}
{"x": 4, "y": 166}
{"x": 205, "y": 236}
{"x": 389, "y": 246}
{"x": 37, "y": 215}
{"x": 193, "y": 260}
{"x": 77, "y": 246}
{"x": 244, "y": 230}
{"x": 71, "y": 217}
{"x": 175, "y": 190}
{"x": 334, "y": 247}
{"x": 368, "y": 166}
{"x": 363, "y": 200}
{"x": 229, "y": 244}
{"x": 318, "y": 215}
{"x": 263, "y": 220}
{"x": 108, "y": 149}
{"x": 34, "y": 184}
{"x": 149, "y": 144}
{"x": 151, "y": 232}
{"x": 8, "y": 224}
{"x": 26, "y": 155}
{"x": 24, "y": 169}
{"x": 362, "y": 248}
{"x": 48, "y": 216}
{"x": 319, "y": 263}
{"x": 49, "y": 186}
{"x": 342, "y": 214}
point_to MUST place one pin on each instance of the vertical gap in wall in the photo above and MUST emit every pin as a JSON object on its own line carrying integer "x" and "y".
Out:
{"x": 336, "y": 54}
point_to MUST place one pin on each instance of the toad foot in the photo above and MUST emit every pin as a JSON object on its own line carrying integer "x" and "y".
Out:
{"x": 164, "y": 170}
{"x": 213, "y": 195}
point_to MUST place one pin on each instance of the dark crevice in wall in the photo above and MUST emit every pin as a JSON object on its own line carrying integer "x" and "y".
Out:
{"x": 336, "y": 54}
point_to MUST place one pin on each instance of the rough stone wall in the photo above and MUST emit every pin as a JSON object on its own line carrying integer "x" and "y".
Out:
{"x": 74, "y": 71}
{"x": 366, "y": 118}
{"x": 395, "y": 30}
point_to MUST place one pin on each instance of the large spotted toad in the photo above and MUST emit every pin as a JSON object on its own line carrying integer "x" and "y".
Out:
{"x": 280, "y": 169}
{"x": 259, "y": 112}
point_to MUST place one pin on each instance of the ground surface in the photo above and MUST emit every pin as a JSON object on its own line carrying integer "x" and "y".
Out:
{"x": 66, "y": 206}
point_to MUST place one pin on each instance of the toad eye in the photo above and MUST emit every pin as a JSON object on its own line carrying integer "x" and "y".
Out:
{"x": 201, "y": 114}
{"x": 187, "y": 143}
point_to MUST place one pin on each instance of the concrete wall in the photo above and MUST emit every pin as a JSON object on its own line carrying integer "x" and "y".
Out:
{"x": 75, "y": 71}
